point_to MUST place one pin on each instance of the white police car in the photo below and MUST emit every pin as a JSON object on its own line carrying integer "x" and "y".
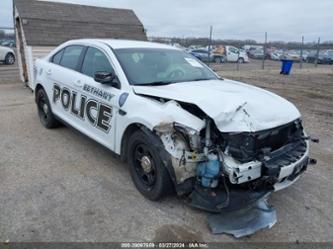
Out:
{"x": 217, "y": 142}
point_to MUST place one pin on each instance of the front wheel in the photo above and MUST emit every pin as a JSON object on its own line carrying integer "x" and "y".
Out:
{"x": 148, "y": 171}
{"x": 10, "y": 59}
{"x": 44, "y": 110}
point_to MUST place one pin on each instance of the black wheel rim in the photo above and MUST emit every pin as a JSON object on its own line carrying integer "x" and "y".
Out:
{"x": 43, "y": 109}
{"x": 144, "y": 165}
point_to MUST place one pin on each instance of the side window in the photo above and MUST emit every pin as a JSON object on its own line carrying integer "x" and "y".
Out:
{"x": 95, "y": 61}
{"x": 233, "y": 50}
{"x": 71, "y": 57}
{"x": 57, "y": 57}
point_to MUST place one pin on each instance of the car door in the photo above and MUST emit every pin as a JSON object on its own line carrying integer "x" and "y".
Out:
{"x": 62, "y": 74}
{"x": 2, "y": 53}
{"x": 101, "y": 99}
{"x": 232, "y": 54}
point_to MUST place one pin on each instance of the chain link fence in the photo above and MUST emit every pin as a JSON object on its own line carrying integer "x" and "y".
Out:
{"x": 227, "y": 55}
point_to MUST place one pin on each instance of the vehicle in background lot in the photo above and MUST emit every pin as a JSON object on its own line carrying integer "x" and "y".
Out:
{"x": 203, "y": 55}
{"x": 232, "y": 54}
{"x": 176, "y": 123}
{"x": 328, "y": 57}
{"x": 7, "y": 55}
{"x": 324, "y": 57}
{"x": 305, "y": 55}
{"x": 8, "y": 43}
{"x": 276, "y": 55}
{"x": 247, "y": 48}
{"x": 292, "y": 55}
{"x": 312, "y": 56}
{"x": 256, "y": 53}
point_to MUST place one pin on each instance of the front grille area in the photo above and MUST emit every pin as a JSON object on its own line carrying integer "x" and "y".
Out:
{"x": 246, "y": 147}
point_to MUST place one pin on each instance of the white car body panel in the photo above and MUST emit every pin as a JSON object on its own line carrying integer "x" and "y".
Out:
{"x": 233, "y": 54}
{"x": 4, "y": 51}
{"x": 234, "y": 106}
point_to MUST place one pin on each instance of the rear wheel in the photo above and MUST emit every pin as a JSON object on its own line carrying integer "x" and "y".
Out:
{"x": 148, "y": 172}
{"x": 240, "y": 60}
{"x": 10, "y": 59}
{"x": 218, "y": 60}
{"x": 44, "y": 110}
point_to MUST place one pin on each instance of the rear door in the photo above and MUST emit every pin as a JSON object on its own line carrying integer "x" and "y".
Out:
{"x": 63, "y": 74}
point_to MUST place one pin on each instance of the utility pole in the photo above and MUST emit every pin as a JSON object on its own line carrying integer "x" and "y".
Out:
{"x": 263, "y": 59}
{"x": 317, "y": 55}
{"x": 210, "y": 43}
{"x": 301, "y": 56}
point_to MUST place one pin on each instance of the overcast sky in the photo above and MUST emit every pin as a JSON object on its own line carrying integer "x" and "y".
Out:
{"x": 284, "y": 20}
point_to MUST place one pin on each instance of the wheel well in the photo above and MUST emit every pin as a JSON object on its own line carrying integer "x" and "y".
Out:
{"x": 127, "y": 134}
{"x": 10, "y": 53}
{"x": 38, "y": 86}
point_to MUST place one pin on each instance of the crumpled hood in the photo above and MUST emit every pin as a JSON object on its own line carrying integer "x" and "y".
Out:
{"x": 234, "y": 106}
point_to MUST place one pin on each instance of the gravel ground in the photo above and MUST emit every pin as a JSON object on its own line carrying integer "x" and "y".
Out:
{"x": 58, "y": 185}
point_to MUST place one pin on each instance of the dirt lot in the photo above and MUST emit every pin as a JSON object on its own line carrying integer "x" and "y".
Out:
{"x": 58, "y": 185}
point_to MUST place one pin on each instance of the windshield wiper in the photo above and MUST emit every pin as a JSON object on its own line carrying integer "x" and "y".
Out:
{"x": 201, "y": 79}
{"x": 156, "y": 83}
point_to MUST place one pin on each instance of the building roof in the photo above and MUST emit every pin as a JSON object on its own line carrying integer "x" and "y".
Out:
{"x": 51, "y": 23}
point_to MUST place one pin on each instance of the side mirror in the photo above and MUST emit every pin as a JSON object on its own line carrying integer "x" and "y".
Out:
{"x": 106, "y": 78}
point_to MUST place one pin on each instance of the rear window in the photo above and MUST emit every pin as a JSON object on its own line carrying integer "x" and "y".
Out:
{"x": 71, "y": 57}
{"x": 57, "y": 57}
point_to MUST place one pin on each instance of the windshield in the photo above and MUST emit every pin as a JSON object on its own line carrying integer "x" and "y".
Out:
{"x": 147, "y": 66}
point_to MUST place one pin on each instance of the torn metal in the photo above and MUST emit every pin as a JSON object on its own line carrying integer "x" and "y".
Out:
{"x": 245, "y": 221}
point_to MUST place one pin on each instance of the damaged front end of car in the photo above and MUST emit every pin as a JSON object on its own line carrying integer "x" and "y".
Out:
{"x": 231, "y": 172}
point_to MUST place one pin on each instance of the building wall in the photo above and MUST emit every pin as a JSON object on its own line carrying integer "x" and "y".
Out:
{"x": 31, "y": 53}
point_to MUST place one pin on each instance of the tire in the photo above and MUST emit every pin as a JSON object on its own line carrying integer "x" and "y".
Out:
{"x": 218, "y": 60}
{"x": 45, "y": 114}
{"x": 240, "y": 60}
{"x": 148, "y": 172}
{"x": 10, "y": 59}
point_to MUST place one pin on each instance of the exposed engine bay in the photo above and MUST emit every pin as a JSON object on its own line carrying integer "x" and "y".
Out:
{"x": 227, "y": 170}
{"x": 232, "y": 174}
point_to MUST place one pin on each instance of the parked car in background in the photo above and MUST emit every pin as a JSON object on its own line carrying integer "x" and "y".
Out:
{"x": 205, "y": 56}
{"x": 328, "y": 58}
{"x": 8, "y": 43}
{"x": 293, "y": 55}
{"x": 7, "y": 55}
{"x": 312, "y": 57}
{"x": 305, "y": 55}
{"x": 232, "y": 54}
{"x": 324, "y": 57}
{"x": 256, "y": 54}
{"x": 275, "y": 56}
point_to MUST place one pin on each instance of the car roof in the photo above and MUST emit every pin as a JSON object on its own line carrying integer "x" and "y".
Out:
{"x": 119, "y": 44}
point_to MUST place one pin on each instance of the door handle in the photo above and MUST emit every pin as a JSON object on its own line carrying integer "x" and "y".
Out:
{"x": 78, "y": 83}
